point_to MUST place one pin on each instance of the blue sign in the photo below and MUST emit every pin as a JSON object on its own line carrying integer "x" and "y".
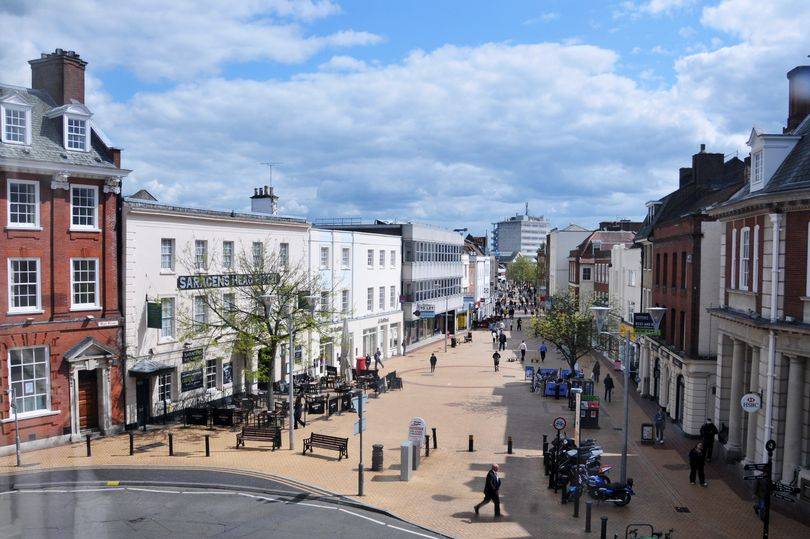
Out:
{"x": 357, "y": 426}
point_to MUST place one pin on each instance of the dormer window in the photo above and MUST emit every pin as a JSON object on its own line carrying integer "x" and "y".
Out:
{"x": 756, "y": 169}
{"x": 767, "y": 153}
{"x": 15, "y": 121}
{"x": 76, "y": 131}
{"x": 75, "y": 126}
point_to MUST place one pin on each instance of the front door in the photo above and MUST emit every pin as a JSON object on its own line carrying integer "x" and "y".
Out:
{"x": 88, "y": 400}
{"x": 143, "y": 400}
{"x": 679, "y": 394}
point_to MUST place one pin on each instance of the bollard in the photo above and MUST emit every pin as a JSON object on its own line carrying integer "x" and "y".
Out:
{"x": 434, "y": 437}
{"x": 427, "y": 445}
{"x": 588, "y": 507}
{"x": 509, "y": 445}
{"x": 470, "y": 444}
{"x": 405, "y": 461}
{"x": 545, "y": 454}
{"x": 131, "y": 443}
{"x": 89, "y": 452}
{"x": 576, "y": 506}
{"x": 416, "y": 455}
{"x": 171, "y": 444}
{"x": 207, "y": 445}
{"x": 603, "y": 532}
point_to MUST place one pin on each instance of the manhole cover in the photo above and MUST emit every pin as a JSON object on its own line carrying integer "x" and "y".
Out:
{"x": 680, "y": 509}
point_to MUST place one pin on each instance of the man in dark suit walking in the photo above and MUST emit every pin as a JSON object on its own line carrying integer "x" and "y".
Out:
{"x": 491, "y": 487}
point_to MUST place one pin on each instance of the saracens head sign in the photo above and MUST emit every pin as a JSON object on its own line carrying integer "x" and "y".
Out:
{"x": 199, "y": 282}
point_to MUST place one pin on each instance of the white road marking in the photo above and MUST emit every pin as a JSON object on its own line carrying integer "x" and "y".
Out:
{"x": 380, "y": 522}
{"x": 410, "y": 531}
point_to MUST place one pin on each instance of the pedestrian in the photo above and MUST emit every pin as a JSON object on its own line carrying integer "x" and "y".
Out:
{"x": 660, "y": 422}
{"x": 596, "y": 371}
{"x": 297, "y": 411}
{"x": 496, "y": 359}
{"x": 494, "y": 336}
{"x": 522, "y": 351}
{"x": 520, "y": 326}
{"x": 433, "y": 362}
{"x": 697, "y": 459}
{"x": 707, "y": 433}
{"x": 378, "y": 359}
{"x": 368, "y": 362}
{"x": 503, "y": 342}
{"x": 608, "y": 387}
{"x": 543, "y": 350}
{"x": 492, "y": 485}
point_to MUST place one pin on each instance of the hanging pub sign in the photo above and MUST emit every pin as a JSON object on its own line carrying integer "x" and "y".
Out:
{"x": 191, "y": 355}
{"x": 199, "y": 282}
{"x": 191, "y": 380}
{"x": 227, "y": 373}
{"x": 154, "y": 315}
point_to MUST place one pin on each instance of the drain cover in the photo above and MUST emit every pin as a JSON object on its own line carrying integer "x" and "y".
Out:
{"x": 680, "y": 509}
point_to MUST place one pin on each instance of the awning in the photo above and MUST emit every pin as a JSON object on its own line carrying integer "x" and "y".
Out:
{"x": 149, "y": 366}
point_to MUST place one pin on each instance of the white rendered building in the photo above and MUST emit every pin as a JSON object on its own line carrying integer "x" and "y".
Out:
{"x": 559, "y": 244}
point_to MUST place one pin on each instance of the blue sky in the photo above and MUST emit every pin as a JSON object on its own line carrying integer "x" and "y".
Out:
{"x": 449, "y": 112}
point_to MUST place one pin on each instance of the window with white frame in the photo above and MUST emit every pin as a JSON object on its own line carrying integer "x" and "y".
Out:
{"x": 211, "y": 373}
{"x": 370, "y": 258}
{"x": 29, "y": 376}
{"x": 393, "y": 258}
{"x": 23, "y": 203}
{"x": 382, "y": 298}
{"x": 23, "y": 285}
{"x": 745, "y": 257}
{"x": 167, "y": 318}
{"x": 346, "y": 258}
{"x": 167, "y": 254}
{"x": 755, "y": 273}
{"x": 733, "y": 258}
{"x": 229, "y": 302}
{"x": 77, "y": 134}
{"x": 325, "y": 307}
{"x": 164, "y": 386}
{"x": 84, "y": 279}
{"x": 84, "y": 207}
{"x": 382, "y": 258}
{"x": 227, "y": 255}
{"x": 15, "y": 125}
{"x": 258, "y": 254}
{"x": 393, "y": 297}
{"x": 199, "y": 311}
{"x": 757, "y": 167}
{"x": 324, "y": 257}
{"x": 284, "y": 254}
{"x": 344, "y": 301}
{"x": 370, "y": 299}
{"x": 201, "y": 255}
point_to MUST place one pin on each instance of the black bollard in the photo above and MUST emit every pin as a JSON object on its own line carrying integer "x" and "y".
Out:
{"x": 131, "y": 443}
{"x": 427, "y": 445}
{"x": 171, "y": 444}
{"x": 545, "y": 455}
{"x": 588, "y": 507}
{"x": 470, "y": 444}
{"x": 89, "y": 452}
{"x": 509, "y": 445}
{"x": 603, "y": 532}
{"x": 576, "y": 506}
{"x": 207, "y": 445}
{"x": 564, "y": 493}
{"x": 434, "y": 437}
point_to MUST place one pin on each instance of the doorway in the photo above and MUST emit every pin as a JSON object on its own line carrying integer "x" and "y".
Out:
{"x": 88, "y": 400}
{"x": 679, "y": 394}
{"x": 143, "y": 400}
{"x": 656, "y": 379}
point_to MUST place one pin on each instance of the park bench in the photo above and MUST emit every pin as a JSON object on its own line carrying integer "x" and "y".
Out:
{"x": 393, "y": 381}
{"x": 262, "y": 434}
{"x": 324, "y": 441}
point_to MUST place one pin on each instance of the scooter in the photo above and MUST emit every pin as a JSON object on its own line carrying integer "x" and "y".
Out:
{"x": 620, "y": 495}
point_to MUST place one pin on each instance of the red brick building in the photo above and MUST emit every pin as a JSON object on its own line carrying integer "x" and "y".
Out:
{"x": 676, "y": 369}
{"x": 60, "y": 315}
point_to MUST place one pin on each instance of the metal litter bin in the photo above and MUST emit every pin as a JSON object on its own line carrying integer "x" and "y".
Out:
{"x": 376, "y": 457}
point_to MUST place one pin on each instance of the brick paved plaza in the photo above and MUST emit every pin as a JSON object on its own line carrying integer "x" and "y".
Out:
{"x": 463, "y": 397}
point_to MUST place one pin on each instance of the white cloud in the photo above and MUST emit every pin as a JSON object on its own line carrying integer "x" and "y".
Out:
{"x": 543, "y": 17}
{"x": 343, "y": 63}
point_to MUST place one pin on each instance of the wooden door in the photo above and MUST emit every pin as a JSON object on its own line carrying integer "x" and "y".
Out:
{"x": 88, "y": 400}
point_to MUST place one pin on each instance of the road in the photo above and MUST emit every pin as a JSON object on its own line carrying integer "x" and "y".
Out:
{"x": 141, "y": 502}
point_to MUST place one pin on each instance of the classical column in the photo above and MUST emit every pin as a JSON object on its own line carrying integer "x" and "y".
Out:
{"x": 793, "y": 418}
{"x": 753, "y": 417}
{"x": 642, "y": 367}
{"x": 74, "y": 404}
{"x": 734, "y": 447}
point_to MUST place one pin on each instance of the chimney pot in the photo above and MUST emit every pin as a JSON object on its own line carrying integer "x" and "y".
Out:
{"x": 60, "y": 75}
{"x": 799, "y": 99}
{"x": 702, "y": 148}
{"x": 255, "y": 191}
{"x": 265, "y": 189}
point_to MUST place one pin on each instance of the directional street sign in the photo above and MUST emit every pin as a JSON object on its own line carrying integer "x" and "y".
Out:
{"x": 357, "y": 426}
{"x": 779, "y": 487}
{"x": 759, "y": 467}
{"x": 356, "y": 404}
{"x": 752, "y": 477}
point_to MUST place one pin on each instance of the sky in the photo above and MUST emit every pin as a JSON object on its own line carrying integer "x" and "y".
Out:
{"x": 453, "y": 112}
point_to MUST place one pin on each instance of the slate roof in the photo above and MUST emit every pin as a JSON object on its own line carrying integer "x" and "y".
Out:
{"x": 607, "y": 238}
{"x": 147, "y": 204}
{"x": 46, "y": 135}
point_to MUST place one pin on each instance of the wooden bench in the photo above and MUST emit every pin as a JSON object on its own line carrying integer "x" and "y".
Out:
{"x": 262, "y": 434}
{"x": 341, "y": 445}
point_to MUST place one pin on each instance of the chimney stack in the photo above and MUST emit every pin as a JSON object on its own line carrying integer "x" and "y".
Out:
{"x": 685, "y": 176}
{"x": 707, "y": 168}
{"x": 60, "y": 74}
{"x": 799, "y": 100}
{"x": 263, "y": 201}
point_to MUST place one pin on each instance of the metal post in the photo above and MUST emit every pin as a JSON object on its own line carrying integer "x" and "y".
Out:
{"x": 427, "y": 445}
{"x": 87, "y": 439}
{"x": 131, "y": 443}
{"x": 171, "y": 444}
{"x": 623, "y": 476}
{"x": 434, "y": 437}
{"x": 291, "y": 391}
{"x": 545, "y": 454}
{"x": 509, "y": 445}
{"x": 576, "y": 506}
{"x": 164, "y": 411}
{"x": 588, "y": 508}
{"x": 768, "y": 488}
{"x": 470, "y": 444}
{"x": 446, "y": 307}
{"x": 603, "y": 531}
{"x": 207, "y": 445}
{"x": 360, "y": 466}
{"x": 13, "y": 404}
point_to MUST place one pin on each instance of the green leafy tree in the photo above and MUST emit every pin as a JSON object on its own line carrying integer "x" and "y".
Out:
{"x": 240, "y": 318}
{"x": 522, "y": 271}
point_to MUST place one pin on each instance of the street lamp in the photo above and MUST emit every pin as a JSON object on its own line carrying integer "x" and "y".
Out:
{"x": 600, "y": 314}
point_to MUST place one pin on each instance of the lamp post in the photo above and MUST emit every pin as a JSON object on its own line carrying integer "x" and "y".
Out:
{"x": 600, "y": 314}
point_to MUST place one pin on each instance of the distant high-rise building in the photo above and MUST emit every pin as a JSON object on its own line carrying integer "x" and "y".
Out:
{"x": 523, "y": 234}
